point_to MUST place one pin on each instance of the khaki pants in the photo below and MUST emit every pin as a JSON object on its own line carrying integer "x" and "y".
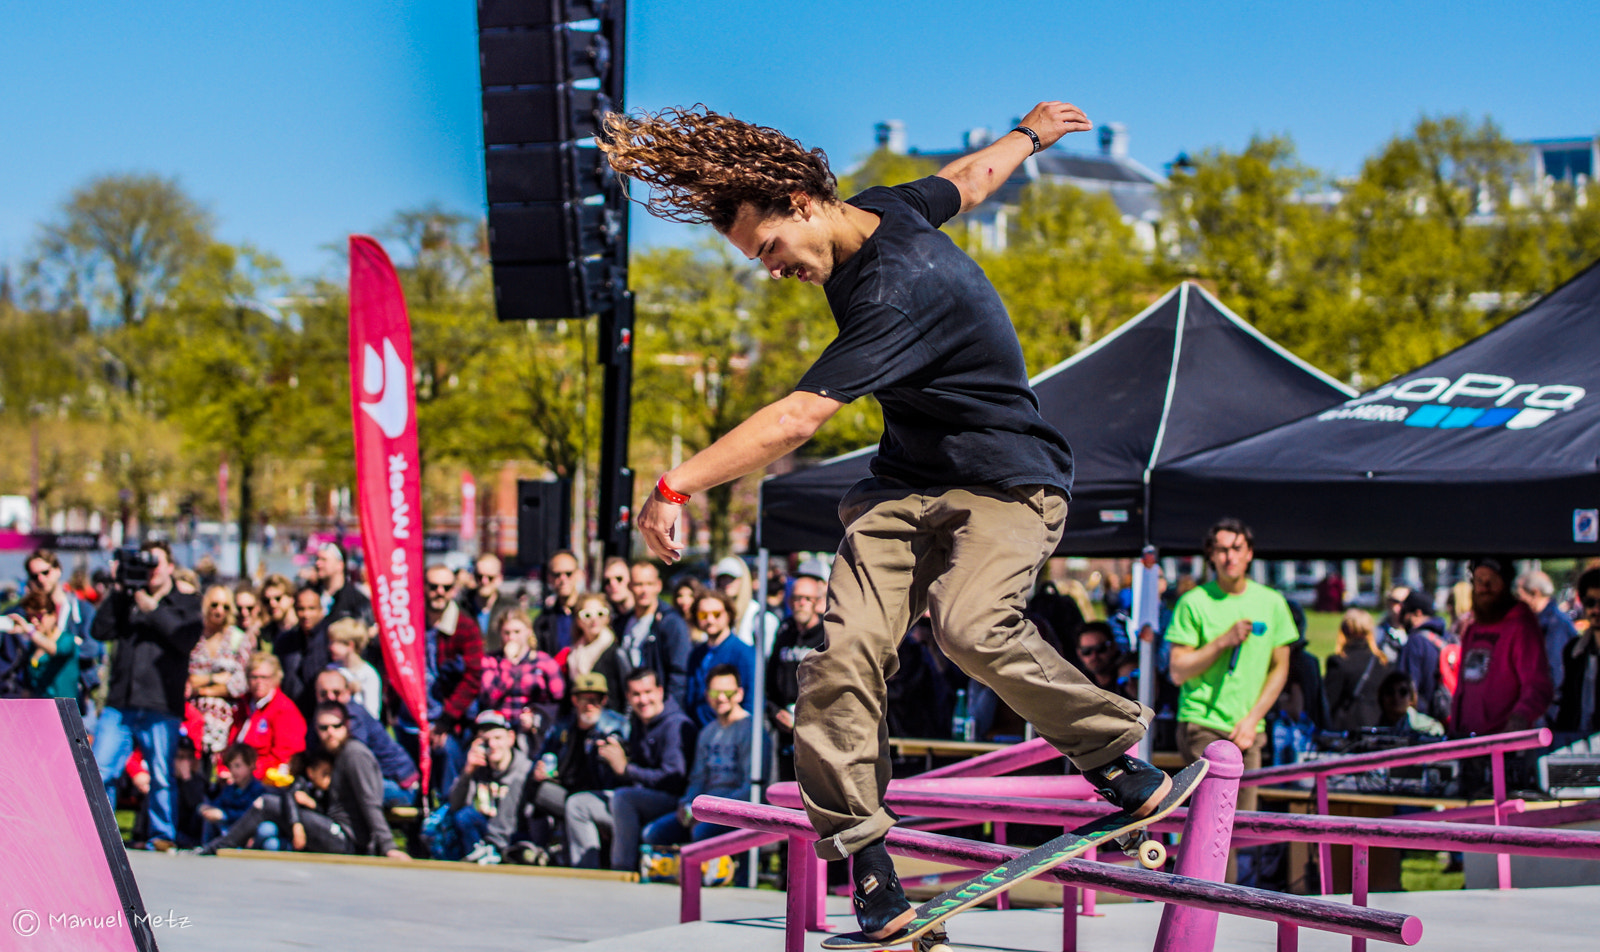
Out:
{"x": 969, "y": 557}
{"x": 1193, "y": 741}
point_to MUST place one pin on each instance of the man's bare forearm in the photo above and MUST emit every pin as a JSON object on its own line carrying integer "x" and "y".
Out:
{"x": 980, "y": 174}
{"x": 770, "y": 433}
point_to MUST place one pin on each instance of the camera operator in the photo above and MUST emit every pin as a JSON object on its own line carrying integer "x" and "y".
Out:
{"x": 155, "y": 627}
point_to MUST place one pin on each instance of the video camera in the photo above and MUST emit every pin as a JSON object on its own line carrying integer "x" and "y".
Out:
{"x": 135, "y": 566}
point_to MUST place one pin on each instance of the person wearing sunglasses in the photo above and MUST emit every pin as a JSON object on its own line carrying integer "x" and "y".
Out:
{"x": 1099, "y": 657}
{"x": 563, "y": 583}
{"x": 1576, "y": 715}
{"x": 594, "y": 648}
{"x": 721, "y": 763}
{"x": 454, "y": 679}
{"x": 483, "y": 601}
{"x": 714, "y": 613}
{"x": 354, "y": 822}
{"x": 277, "y": 610}
{"x": 75, "y": 619}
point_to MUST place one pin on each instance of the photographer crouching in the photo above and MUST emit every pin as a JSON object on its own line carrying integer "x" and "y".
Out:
{"x": 155, "y": 627}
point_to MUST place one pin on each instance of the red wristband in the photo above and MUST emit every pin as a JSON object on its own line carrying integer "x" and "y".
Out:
{"x": 667, "y": 493}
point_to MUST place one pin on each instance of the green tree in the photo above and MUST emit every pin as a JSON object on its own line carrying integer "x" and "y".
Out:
{"x": 222, "y": 365}
{"x": 1071, "y": 270}
{"x": 118, "y": 246}
{"x": 1442, "y": 252}
{"x": 1245, "y": 224}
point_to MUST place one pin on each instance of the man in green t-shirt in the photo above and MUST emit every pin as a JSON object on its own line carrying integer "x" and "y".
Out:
{"x": 1230, "y": 653}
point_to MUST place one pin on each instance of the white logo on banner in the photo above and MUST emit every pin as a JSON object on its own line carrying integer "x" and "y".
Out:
{"x": 386, "y": 380}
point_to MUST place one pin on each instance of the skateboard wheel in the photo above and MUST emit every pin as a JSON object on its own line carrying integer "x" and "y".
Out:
{"x": 1152, "y": 855}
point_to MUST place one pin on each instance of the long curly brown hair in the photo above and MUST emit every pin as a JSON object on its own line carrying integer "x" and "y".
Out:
{"x": 701, "y": 166}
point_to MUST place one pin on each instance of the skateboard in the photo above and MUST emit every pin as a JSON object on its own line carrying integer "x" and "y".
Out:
{"x": 926, "y": 931}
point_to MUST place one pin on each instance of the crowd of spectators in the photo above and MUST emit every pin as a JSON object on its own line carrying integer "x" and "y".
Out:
{"x": 576, "y": 726}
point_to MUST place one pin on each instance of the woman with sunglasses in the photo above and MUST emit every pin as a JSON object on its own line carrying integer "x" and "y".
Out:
{"x": 217, "y": 667}
{"x": 594, "y": 648}
{"x": 685, "y": 595}
{"x": 714, "y": 613}
{"x": 247, "y": 606}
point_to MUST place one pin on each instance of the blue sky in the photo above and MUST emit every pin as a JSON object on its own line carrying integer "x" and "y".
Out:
{"x": 297, "y": 123}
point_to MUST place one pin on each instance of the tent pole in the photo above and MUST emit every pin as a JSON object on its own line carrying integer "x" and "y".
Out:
{"x": 758, "y": 710}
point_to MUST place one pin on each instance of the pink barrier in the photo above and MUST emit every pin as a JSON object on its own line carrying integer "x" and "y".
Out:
{"x": 812, "y": 871}
{"x": 1215, "y": 897}
{"x": 1399, "y": 757}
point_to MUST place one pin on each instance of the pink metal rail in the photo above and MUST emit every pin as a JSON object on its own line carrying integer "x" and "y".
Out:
{"x": 805, "y": 868}
{"x": 1194, "y": 898}
{"x": 1495, "y": 746}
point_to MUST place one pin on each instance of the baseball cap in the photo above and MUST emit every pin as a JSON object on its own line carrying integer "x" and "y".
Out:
{"x": 1417, "y": 602}
{"x": 592, "y": 683}
{"x": 732, "y": 566}
{"x": 489, "y": 720}
{"x": 812, "y": 568}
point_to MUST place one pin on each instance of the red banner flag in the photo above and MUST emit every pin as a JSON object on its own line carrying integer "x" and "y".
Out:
{"x": 388, "y": 481}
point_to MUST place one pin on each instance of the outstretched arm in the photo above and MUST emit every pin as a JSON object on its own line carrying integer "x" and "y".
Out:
{"x": 979, "y": 174}
{"x": 769, "y": 433}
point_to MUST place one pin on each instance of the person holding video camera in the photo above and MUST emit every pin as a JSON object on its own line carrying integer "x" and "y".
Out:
{"x": 156, "y": 628}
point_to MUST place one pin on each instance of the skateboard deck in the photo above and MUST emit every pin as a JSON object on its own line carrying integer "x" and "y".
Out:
{"x": 933, "y": 913}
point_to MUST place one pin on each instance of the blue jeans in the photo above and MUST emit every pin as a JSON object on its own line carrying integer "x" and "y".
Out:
{"x": 155, "y": 734}
{"x": 471, "y": 825}
{"x": 396, "y": 796}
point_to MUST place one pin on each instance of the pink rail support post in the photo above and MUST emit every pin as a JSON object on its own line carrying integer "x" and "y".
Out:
{"x": 1206, "y": 839}
{"x": 1299, "y": 911}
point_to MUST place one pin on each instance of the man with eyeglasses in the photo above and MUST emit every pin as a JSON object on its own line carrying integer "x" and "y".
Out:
{"x": 277, "y": 605}
{"x": 157, "y": 627}
{"x": 1505, "y": 682}
{"x": 1580, "y": 666}
{"x": 483, "y": 601}
{"x": 400, "y": 777}
{"x": 721, "y": 765}
{"x": 799, "y": 635}
{"x": 453, "y": 650}
{"x": 74, "y": 618}
{"x": 563, "y": 583}
{"x": 614, "y": 579}
{"x": 713, "y": 612}
{"x": 354, "y": 822}
{"x": 654, "y": 635}
{"x": 1098, "y": 653}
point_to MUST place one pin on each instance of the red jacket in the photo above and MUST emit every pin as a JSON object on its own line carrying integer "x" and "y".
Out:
{"x": 1503, "y": 673}
{"x": 276, "y": 730}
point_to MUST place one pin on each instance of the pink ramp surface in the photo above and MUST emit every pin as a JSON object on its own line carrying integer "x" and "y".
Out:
{"x": 56, "y": 886}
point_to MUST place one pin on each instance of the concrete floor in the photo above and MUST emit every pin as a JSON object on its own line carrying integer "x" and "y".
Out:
{"x": 246, "y": 905}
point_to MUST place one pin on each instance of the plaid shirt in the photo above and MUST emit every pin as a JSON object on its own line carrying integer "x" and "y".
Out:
{"x": 512, "y": 687}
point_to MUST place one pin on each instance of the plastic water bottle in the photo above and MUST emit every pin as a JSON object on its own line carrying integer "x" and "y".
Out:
{"x": 961, "y": 724}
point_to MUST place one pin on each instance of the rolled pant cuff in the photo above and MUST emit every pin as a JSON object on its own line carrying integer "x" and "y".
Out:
{"x": 1118, "y": 747}
{"x": 842, "y": 844}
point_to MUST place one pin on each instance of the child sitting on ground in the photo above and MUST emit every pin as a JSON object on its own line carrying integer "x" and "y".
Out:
{"x": 236, "y": 795}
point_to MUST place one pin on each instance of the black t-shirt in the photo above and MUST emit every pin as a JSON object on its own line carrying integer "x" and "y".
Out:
{"x": 921, "y": 327}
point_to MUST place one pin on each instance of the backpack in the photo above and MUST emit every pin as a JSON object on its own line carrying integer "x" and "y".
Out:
{"x": 1449, "y": 673}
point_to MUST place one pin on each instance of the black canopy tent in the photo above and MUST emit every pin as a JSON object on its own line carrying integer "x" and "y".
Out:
{"x": 1183, "y": 375}
{"x": 1493, "y": 447}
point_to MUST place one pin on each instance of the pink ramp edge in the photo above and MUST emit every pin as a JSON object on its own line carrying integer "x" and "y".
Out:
{"x": 53, "y": 866}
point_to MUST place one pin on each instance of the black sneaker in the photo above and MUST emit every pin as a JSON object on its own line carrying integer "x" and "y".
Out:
{"x": 881, "y": 906}
{"x": 1131, "y": 784}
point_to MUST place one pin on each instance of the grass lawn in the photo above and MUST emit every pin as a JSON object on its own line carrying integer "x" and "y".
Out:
{"x": 1322, "y": 632}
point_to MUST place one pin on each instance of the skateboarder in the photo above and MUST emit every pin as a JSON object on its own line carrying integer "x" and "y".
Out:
{"x": 969, "y": 488}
